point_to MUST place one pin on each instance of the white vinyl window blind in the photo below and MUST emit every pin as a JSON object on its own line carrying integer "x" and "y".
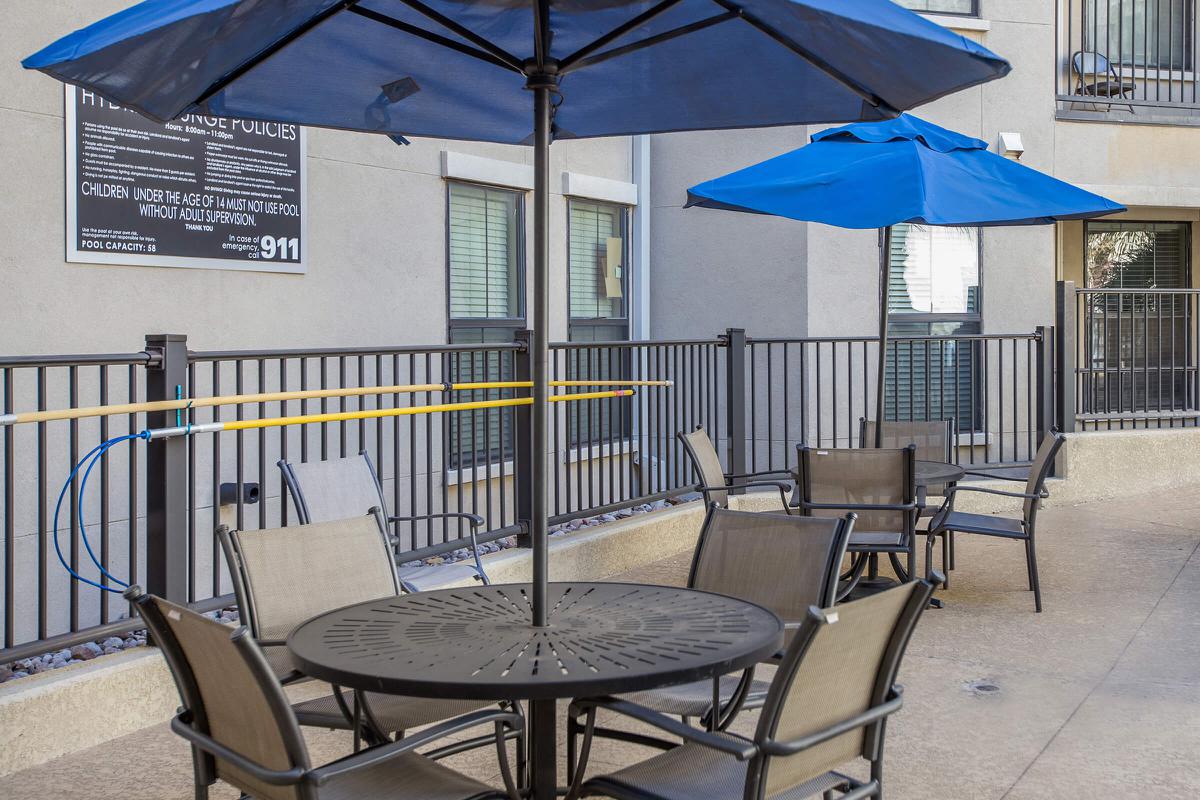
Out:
{"x": 484, "y": 253}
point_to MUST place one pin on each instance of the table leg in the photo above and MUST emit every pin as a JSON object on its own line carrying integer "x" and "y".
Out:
{"x": 543, "y": 756}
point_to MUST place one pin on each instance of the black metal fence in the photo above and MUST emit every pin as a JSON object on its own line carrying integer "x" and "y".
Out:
{"x": 150, "y": 509}
{"x": 1131, "y": 56}
{"x": 1135, "y": 357}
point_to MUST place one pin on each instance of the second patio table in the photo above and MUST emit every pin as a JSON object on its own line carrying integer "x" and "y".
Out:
{"x": 476, "y": 643}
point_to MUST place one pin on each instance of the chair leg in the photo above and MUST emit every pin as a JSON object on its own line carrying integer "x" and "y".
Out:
{"x": 946, "y": 558}
{"x": 1031, "y": 557}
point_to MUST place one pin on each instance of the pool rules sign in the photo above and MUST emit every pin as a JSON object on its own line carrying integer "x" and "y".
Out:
{"x": 206, "y": 192}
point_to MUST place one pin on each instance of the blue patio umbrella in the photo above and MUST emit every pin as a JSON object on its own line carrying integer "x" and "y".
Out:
{"x": 879, "y": 174}
{"x": 521, "y": 72}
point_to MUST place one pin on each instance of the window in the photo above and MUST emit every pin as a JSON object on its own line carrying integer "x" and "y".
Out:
{"x": 486, "y": 265}
{"x": 933, "y": 291}
{"x": 597, "y": 288}
{"x": 1156, "y": 34}
{"x": 966, "y": 7}
{"x": 1138, "y": 343}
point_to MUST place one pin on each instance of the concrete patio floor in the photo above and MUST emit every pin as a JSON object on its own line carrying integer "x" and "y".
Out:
{"x": 1097, "y": 697}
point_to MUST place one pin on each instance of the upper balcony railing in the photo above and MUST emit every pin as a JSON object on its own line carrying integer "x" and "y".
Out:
{"x": 1128, "y": 60}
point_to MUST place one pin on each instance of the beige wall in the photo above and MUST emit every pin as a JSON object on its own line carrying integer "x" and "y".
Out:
{"x": 376, "y": 271}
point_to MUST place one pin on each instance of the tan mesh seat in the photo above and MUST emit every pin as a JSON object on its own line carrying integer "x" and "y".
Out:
{"x": 340, "y": 488}
{"x": 784, "y": 563}
{"x": 715, "y": 483}
{"x": 243, "y": 732}
{"x": 948, "y": 521}
{"x": 877, "y": 485}
{"x": 285, "y": 576}
{"x": 826, "y": 708}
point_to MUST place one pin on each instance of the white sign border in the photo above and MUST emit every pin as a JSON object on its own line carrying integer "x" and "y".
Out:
{"x": 77, "y": 256}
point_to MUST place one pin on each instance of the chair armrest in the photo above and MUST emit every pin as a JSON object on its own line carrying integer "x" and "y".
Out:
{"x": 739, "y": 748}
{"x": 772, "y": 747}
{"x": 953, "y": 490}
{"x": 375, "y": 755}
{"x": 996, "y": 476}
{"x": 858, "y": 506}
{"x": 735, "y": 476}
{"x": 475, "y": 520}
{"x": 274, "y": 777}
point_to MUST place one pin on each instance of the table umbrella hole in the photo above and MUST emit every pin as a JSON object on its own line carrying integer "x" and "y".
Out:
{"x": 982, "y": 687}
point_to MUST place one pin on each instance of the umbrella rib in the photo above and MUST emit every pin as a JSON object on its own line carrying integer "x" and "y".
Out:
{"x": 791, "y": 44}
{"x": 616, "y": 33}
{"x": 650, "y": 41}
{"x": 541, "y": 32}
{"x": 430, "y": 36}
{"x": 508, "y": 58}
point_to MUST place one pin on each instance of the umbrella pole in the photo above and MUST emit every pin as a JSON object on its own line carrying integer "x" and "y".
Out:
{"x": 885, "y": 247}
{"x": 539, "y": 358}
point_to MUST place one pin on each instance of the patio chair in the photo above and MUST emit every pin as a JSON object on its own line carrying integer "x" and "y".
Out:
{"x": 827, "y": 707}
{"x": 781, "y": 562}
{"x": 339, "y": 488}
{"x": 243, "y": 732}
{"x": 285, "y": 576}
{"x": 715, "y": 484}
{"x": 1096, "y": 76}
{"x": 877, "y": 485}
{"x": 948, "y": 520}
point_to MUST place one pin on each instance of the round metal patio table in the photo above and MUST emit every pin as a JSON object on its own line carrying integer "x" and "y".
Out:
{"x": 935, "y": 473}
{"x": 477, "y": 643}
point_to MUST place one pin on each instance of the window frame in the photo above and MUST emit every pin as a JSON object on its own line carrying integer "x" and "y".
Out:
{"x": 1188, "y": 233}
{"x": 936, "y": 317}
{"x": 514, "y": 323}
{"x": 974, "y": 12}
{"x": 574, "y": 322}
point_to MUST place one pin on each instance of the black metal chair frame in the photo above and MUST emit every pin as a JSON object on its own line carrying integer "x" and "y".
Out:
{"x": 474, "y": 521}
{"x": 1085, "y": 89}
{"x": 190, "y": 721}
{"x": 863, "y": 552}
{"x": 886, "y": 700}
{"x": 735, "y": 481}
{"x": 943, "y": 523}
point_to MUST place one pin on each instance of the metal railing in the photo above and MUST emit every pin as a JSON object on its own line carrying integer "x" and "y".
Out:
{"x": 1136, "y": 362}
{"x": 1138, "y": 57}
{"x": 151, "y": 508}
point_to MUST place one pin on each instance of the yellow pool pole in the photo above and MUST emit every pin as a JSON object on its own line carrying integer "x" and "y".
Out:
{"x": 272, "y": 397}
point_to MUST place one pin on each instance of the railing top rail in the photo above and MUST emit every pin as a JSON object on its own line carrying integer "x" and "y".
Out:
{"x": 1138, "y": 291}
{"x": 631, "y": 343}
{"x": 78, "y": 360}
{"x": 972, "y": 337}
{"x": 335, "y": 352}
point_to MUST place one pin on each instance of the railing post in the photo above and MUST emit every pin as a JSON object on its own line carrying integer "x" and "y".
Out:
{"x": 1045, "y": 392}
{"x": 1066, "y": 331}
{"x": 735, "y": 404}
{"x": 166, "y": 473}
{"x": 523, "y": 443}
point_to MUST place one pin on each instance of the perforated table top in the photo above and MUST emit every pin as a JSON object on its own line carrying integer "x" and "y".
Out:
{"x": 930, "y": 473}
{"x": 478, "y": 643}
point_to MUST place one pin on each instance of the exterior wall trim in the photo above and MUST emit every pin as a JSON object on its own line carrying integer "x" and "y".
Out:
{"x": 592, "y": 188}
{"x": 492, "y": 171}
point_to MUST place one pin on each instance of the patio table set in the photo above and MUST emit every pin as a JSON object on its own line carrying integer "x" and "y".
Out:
{"x": 323, "y": 599}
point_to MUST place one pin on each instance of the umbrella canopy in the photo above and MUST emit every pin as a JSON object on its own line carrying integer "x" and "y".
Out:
{"x": 874, "y": 175}
{"x": 879, "y": 174}
{"x": 456, "y": 69}
{"x": 467, "y": 70}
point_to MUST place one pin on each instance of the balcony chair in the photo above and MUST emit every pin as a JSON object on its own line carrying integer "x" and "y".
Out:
{"x": 243, "y": 732}
{"x": 283, "y": 577}
{"x": 340, "y": 488}
{"x": 948, "y": 521}
{"x": 827, "y": 706}
{"x": 877, "y": 485}
{"x": 1095, "y": 76}
{"x": 715, "y": 484}
{"x": 935, "y": 441}
{"x": 781, "y": 562}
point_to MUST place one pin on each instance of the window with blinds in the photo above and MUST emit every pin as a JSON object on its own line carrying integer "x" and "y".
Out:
{"x": 597, "y": 255}
{"x": 933, "y": 290}
{"x": 485, "y": 256}
{"x": 942, "y": 6}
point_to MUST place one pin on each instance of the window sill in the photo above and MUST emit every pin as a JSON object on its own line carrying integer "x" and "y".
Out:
{"x": 483, "y": 472}
{"x": 973, "y": 439}
{"x": 606, "y": 450}
{"x": 957, "y": 23}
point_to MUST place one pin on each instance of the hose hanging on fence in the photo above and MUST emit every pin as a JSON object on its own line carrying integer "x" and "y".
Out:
{"x": 96, "y": 454}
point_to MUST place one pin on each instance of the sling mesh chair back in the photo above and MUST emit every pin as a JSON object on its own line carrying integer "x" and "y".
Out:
{"x": 827, "y": 707}
{"x": 243, "y": 731}
{"x": 714, "y": 482}
{"x": 877, "y": 485}
{"x": 285, "y": 576}
{"x": 948, "y": 521}
{"x": 339, "y": 488}
{"x": 934, "y": 439}
{"x": 784, "y": 563}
